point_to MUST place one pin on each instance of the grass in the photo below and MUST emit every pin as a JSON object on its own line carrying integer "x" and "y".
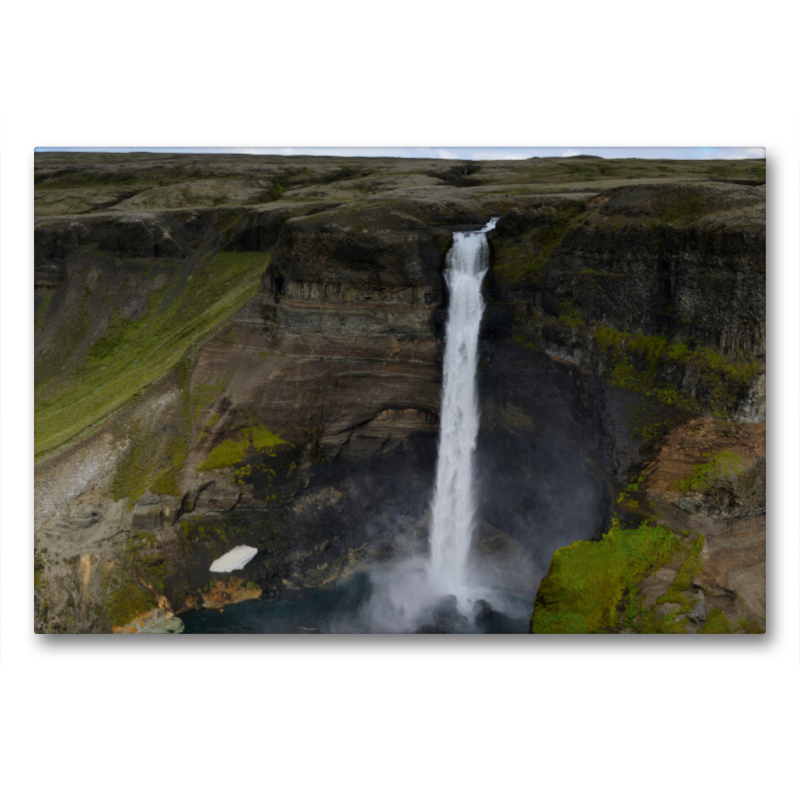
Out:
{"x": 588, "y": 582}
{"x": 131, "y": 354}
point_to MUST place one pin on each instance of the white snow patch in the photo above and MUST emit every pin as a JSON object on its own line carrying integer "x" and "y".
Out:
{"x": 234, "y": 559}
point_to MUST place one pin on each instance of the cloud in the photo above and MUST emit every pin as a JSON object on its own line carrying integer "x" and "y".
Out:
{"x": 500, "y": 154}
{"x": 744, "y": 152}
{"x": 570, "y": 152}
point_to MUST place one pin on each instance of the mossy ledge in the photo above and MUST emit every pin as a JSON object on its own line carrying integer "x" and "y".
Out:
{"x": 697, "y": 380}
{"x": 589, "y": 582}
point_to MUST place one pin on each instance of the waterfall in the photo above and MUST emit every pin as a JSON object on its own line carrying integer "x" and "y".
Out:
{"x": 453, "y": 517}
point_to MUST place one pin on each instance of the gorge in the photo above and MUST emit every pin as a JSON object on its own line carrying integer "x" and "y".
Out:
{"x": 248, "y": 351}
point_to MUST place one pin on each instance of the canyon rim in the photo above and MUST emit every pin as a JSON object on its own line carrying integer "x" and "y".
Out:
{"x": 238, "y": 384}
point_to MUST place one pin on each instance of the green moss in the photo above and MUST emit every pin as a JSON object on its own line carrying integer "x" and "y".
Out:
{"x": 722, "y": 465}
{"x": 572, "y": 318}
{"x": 692, "y": 565}
{"x": 204, "y": 395}
{"x": 527, "y": 261}
{"x": 155, "y": 453}
{"x": 205, "y": 432}
{"x": 651, "y": 365}
{"x": 135, "y": 470}
{"x": 716, "y": 622}
{"x": 682, "y": 206}
{"x": 44, "y": 304}
{"x": 677, "y": 351}
{"x": 689, "y": 568}
{"x": 588, "y": 582}
{"x": 253, "y": 439}
{"x": 127, "y": 602}
{"x": 154, "y": 570}
{"x": 166, "y": 483}
{"x": 749, "y": 626}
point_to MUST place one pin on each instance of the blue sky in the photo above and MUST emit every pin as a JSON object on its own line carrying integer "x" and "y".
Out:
{"x": 470, "y": 153}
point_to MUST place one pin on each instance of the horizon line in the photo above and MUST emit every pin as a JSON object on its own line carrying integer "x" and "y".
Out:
{"x": 445, "y": 154}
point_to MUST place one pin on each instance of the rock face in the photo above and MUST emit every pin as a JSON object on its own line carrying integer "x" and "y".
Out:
{"x": 647, "y": 285}
{"x": 686, "y": 261}
{"x": 270, "y": 376}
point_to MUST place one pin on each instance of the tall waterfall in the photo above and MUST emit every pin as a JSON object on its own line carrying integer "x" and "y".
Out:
{"x": 453, "y": 519}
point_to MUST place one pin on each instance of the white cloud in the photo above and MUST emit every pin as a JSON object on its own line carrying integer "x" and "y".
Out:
{"x": 743, "y": 152}
{"x": 497, "y": 155}
{"x": 570, "y": 152}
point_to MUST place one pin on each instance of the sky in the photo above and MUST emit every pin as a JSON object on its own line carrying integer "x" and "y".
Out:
{"x": 465, "y": 153}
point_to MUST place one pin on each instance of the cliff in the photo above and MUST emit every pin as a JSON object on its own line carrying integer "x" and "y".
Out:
{"x": 248, "y": 351}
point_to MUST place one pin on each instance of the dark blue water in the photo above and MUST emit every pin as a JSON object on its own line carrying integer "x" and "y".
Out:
{"x": 338, "y": 609}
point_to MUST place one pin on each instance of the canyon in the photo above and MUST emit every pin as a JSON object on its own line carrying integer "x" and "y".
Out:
{"x": 247, "y": 351}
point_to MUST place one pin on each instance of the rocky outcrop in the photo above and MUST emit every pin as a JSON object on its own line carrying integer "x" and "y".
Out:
{"x": 48, "y": 276}
{"x": 699, "y": 506}
{"x": 156, "y": 621}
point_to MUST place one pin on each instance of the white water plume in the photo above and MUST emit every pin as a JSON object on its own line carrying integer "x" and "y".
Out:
{"x": 453, "y": 518}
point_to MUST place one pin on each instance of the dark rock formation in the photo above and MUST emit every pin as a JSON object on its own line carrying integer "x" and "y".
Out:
{"x": 48, "y": 276}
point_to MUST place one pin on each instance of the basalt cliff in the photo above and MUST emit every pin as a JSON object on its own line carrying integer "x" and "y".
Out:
{"x": 247, "y": 350}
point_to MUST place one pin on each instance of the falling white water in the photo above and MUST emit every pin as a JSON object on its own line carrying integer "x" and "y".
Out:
{"x": 453, "y": 519}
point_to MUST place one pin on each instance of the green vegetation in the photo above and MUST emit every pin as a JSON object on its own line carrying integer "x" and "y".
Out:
{"x": 157, "y": 446}
{"x": 142, "y": 170}
{"x": 589, "y": 582}
{"x": 641, "y": 363}
{"x": 207, "y": 532}
{"x": 722, "y": 465}
{"x": 716, "y": 622}
{"x": 253, "y": 439}
{"x": 153, "y": 567}
{"x": 203, "y": 395}
{"x": 127, "y": 602}
{"x": 593, "y": 587}
{"x": 130, "y": 354}
{"x": 528, "y": 260}
{"x": 572, "y": 318}
{"x": 138, "y": 467}
{"x": 749, "y": 626}
{"x": 690, "y": 567}
{"x": 44, "y": 303}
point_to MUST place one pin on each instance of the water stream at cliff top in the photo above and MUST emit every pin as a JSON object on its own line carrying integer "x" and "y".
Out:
{"x": 453, "y": 512}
